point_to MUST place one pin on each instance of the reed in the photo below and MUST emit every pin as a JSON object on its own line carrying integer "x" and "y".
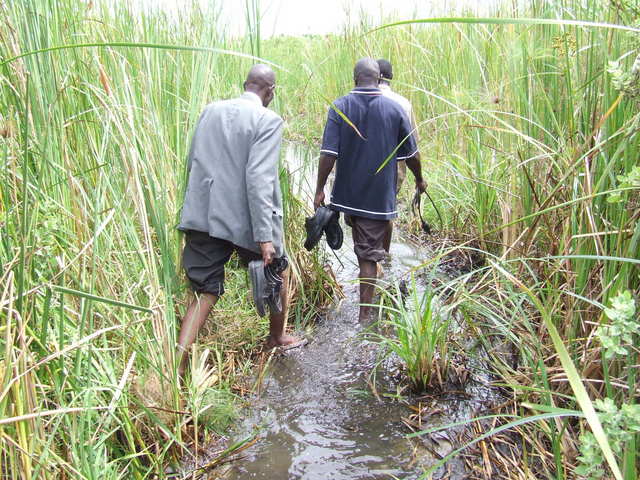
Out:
{"x": 529, "y": 134}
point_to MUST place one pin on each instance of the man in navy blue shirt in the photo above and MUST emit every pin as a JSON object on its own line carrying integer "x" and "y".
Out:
{"x": 363, "y": 131}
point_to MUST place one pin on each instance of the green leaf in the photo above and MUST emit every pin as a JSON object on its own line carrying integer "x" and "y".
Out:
{"x": 97, "y": 298}
{"x": 510, "y": 21}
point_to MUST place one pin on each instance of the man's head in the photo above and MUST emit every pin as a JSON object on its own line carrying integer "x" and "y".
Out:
{"x": 261, "y": 80}
{"x": 366, "y": 73}
{"x": 386, "y": 71}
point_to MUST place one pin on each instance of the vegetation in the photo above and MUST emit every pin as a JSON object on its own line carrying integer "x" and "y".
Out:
{"x": 529, "y": 134}
{"x": 419, "y": 333}
{"x": 93, "y": 150}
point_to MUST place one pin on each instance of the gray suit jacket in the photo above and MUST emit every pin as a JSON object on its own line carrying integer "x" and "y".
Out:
{"x": 234, "y": 188}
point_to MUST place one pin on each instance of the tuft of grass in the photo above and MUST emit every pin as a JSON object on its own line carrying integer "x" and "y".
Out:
{"x": 419, "y": 325}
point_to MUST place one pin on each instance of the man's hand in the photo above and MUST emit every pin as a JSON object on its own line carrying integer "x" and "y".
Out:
{"x": 268, "y": 252}
{"x": 421, "y": 186}
{"x": 318, "y": 200}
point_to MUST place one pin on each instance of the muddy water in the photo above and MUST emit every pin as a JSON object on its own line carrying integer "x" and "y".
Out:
{"x": 320, "y": 420}
{"x": 315, "y": 411}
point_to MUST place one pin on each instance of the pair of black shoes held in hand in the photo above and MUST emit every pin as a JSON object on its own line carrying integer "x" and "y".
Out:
{"x": 266, "y": 283}
{"x": 324, "y": 221}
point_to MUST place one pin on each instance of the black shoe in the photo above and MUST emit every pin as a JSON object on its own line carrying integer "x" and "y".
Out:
{"x": 258, "y": 283}
{"x": 266, "y": 284}
{"x": 333, "y": 232}
{"x": 315, "y": 226}
{"x": 273, "y": 273}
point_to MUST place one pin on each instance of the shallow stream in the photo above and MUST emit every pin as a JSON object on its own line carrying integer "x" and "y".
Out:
{"x": 317, "y": 416}
{"x": 320, "y": 419}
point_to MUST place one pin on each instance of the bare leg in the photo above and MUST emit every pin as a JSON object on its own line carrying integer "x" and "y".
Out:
{"x": 368, "y": 273}
{"x": 278, "y": 321}
{"x": 195, "y": 317}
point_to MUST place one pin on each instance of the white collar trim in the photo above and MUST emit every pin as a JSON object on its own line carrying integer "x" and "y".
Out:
{"x": 362, "y": 91}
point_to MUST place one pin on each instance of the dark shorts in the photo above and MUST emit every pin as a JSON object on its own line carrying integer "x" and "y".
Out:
{"x": 204, "y": 258}
{"x": 368, "y": 237}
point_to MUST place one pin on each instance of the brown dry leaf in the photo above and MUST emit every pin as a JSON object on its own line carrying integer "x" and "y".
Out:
{"x": 104, "y": 80}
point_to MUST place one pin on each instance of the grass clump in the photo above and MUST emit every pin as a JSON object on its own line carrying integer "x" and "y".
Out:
{"x": 419, "y": 325}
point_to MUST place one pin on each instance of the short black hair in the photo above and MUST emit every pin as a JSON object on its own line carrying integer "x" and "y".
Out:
{"x": 385, "y": 69}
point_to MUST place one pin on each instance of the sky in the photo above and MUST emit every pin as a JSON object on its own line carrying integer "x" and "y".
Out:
{"x": 298, "y": 17}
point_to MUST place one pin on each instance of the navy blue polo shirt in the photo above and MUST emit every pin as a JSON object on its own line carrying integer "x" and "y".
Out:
{"x": 358, "y": 190}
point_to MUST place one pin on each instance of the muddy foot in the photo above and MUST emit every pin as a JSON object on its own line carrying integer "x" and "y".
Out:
{"x": 286, "y": 342}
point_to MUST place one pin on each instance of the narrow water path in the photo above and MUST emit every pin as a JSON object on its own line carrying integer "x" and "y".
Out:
{"x": 319, "y": 417}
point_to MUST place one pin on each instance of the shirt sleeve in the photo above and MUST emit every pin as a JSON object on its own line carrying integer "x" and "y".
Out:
{"x": 261, "y": 174}
{"x": 331, "y": 136}
{"x": 407, "y": 141}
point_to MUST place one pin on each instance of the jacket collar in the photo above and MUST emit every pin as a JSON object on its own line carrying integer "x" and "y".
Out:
{"x": 252, "y": 97}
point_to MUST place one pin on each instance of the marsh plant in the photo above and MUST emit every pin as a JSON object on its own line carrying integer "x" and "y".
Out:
{"x": 531, "y": 139}
{"x": 621, "y": 425}
{"x": 617, "y": 336}
{"x": 420, "y": 325}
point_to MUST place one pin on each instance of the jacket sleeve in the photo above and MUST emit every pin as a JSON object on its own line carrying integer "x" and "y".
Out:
{"x": 192, "y": 147}
{"x": 261, "y": 175}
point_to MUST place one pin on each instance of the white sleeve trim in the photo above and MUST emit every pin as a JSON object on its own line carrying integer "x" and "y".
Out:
{"x": 364, "y": 211}
{"x": 329, "y": 151}
{"x": 408, "y": 156}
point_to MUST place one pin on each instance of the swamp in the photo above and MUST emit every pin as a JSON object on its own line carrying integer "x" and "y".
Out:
{"x": 504, "y": 342}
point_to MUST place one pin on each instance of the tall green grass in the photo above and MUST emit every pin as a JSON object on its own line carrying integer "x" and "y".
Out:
{"x": 549, "y": 135}
{"x": 93, "y": 147}
{"x": 527, "y": 139}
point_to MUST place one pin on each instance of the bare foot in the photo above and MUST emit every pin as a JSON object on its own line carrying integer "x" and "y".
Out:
{"x": 282, "y": 341}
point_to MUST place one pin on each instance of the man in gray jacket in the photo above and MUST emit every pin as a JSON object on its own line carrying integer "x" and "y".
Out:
{"x": 233, "y": 200}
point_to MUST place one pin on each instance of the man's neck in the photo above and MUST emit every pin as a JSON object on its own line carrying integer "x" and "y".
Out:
{"x": 366, "y": 85}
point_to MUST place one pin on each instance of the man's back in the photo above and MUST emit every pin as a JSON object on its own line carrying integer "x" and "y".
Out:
{"x": 233, "y": 151}
{"x": 359, "y": 189}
